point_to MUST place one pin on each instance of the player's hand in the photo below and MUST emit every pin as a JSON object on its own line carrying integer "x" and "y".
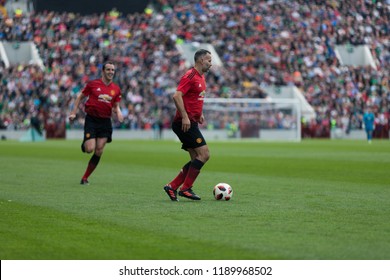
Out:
{"x": 72, "y": 116}
{"x": 202, "y": 119}
{"x": 185, "y": 124}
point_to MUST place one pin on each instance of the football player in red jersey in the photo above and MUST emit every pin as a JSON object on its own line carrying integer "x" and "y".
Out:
{"x": 102, "y": 98}
{"x": 188, "y": 98}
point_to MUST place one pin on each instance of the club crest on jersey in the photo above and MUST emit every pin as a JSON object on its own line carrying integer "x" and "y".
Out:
{"x": 112, "y": 92}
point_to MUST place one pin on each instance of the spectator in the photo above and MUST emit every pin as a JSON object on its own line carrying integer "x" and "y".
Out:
{"x": 270, "y": 43}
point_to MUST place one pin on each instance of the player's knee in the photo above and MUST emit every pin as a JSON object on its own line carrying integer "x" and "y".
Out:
{"x": 89, "y": 149}
{"x": 98, "y": 152}
{"x": 204, "y": 157}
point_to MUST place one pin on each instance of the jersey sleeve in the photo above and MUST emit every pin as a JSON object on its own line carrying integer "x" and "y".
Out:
{"x": 118, "y": 97}
{"x": 184, "y": 85}
{"x": 87, "y": 90}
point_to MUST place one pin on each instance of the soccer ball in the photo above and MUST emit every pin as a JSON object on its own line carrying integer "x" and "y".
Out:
{"x": 223, "y": 191}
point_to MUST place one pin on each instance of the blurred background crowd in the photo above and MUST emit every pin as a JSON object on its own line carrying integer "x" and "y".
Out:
{"x": 260, "y": 43}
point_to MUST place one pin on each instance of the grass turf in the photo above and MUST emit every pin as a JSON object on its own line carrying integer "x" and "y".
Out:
{"x": 318, "y": 199}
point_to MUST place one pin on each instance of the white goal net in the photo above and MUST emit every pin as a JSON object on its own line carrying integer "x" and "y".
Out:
{"x": 247, "y": 118}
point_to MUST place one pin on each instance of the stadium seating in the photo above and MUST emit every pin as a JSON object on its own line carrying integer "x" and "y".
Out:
{"x": 270, "y": 43}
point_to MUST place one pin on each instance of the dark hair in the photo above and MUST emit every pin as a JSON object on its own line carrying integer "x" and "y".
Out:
{"x": 105, "y": 63}
{"x": 200, "y": 53}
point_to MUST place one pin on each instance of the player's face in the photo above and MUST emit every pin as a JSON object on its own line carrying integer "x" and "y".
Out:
{"x": 108, "y": 72}
{"x": 206, "y": 63}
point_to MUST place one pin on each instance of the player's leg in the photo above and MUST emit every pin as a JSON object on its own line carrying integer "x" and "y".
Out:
{"x": 94, "y": 161}
{"x": 202, "y": 156}
{"x": 102, "y": 132}
{"x": 89, "y": 141}
{"x": 89, "y": 145}
{"x": 172, "y": 186}
{"x": 100, "y": 144}
{"x": 179, "y": 179}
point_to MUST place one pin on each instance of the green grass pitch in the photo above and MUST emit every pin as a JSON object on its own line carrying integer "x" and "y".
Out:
{"x": 318, "y": 199}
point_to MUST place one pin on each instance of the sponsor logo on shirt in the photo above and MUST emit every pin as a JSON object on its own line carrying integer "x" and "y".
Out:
{"x": 104, "y": 98}
{"x": 202, "y": 95}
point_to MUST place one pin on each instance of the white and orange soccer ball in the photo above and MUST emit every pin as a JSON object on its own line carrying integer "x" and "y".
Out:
{"x": 222, "y": 191}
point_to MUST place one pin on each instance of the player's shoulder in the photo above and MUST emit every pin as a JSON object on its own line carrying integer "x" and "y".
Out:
{"x": 191, "y": 74}
{"x": 94, "y": 82}
{"x": 115, "y": 86}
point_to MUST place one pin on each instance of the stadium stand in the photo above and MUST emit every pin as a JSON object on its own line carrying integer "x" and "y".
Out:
{"x": 270, "y": 43}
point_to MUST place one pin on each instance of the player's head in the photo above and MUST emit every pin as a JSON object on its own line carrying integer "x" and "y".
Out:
{"x": 108, "y": 71}
{"x": 202, "y": 60}
{"x": 108, "y": 63}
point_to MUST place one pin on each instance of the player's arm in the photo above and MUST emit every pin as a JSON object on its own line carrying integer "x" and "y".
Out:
{"x": 76, "y": 104}
{"x": 179, "y": 103}
{"x": 117, "y": 110}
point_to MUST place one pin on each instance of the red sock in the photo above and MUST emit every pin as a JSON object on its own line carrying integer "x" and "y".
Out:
{"x": 176, "y": 183}
{"x": 192, "y": 174}
{"x": 93, "y": 162}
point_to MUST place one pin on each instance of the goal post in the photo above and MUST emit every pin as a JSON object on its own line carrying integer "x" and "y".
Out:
{"x": 252, "y": 118}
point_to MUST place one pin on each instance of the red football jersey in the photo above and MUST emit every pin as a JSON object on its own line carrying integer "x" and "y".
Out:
{"x": 101, "y": 98}
{"x": 193, "y": 87}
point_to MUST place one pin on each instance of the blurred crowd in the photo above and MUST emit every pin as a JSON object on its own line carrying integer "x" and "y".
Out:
{"x": 260, "y": 43}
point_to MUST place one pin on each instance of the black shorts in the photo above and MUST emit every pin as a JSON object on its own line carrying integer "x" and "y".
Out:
{"x": 193, "y": 138}
{"x": 97, "y": 128}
